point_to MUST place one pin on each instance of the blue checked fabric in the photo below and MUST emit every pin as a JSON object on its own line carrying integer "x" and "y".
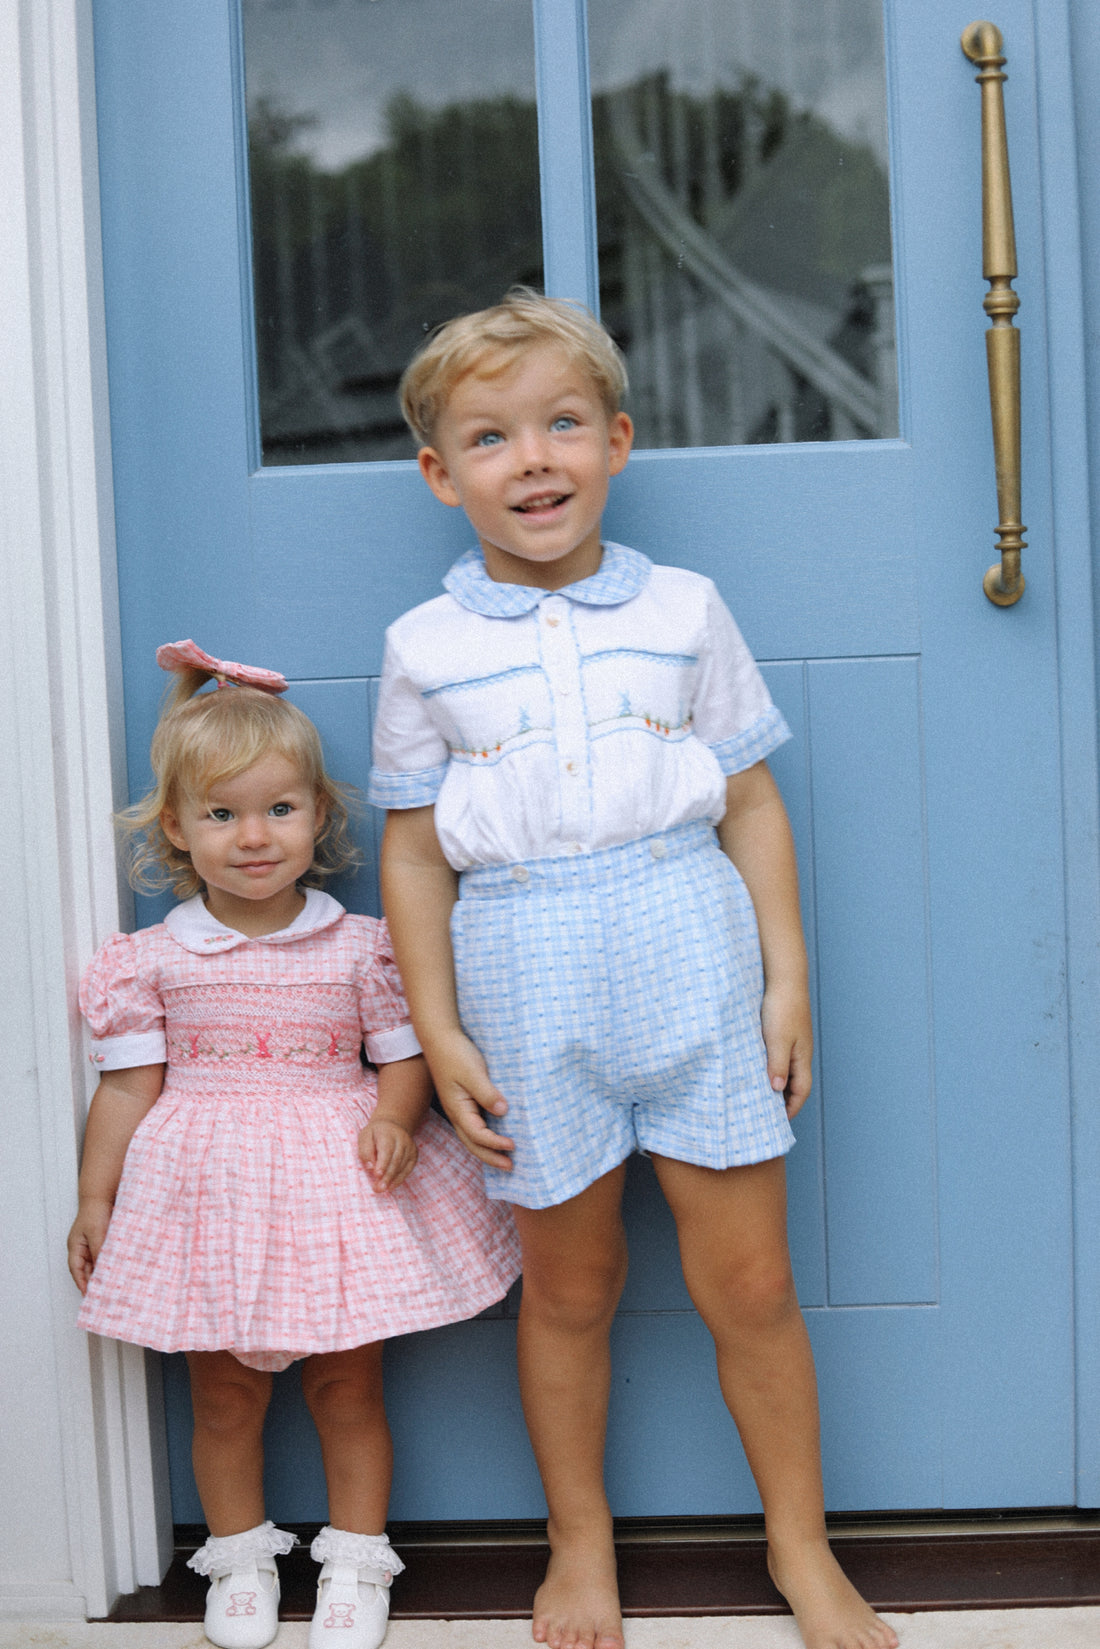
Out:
{"x": 616, "y": 998}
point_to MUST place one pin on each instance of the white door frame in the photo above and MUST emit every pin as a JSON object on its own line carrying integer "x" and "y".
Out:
{"x": 84, "y": 1512}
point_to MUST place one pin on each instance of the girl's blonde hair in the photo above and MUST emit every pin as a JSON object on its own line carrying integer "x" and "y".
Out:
{"x": 523, "y": 318}
{"x": 203, "y": 739}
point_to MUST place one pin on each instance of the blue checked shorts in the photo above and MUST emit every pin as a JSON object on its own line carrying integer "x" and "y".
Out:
{"x": 616, "y": 999}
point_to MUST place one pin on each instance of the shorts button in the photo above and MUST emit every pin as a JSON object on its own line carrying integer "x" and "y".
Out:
{"x": 658, "y": 848}
{"x": 520, "y": 873}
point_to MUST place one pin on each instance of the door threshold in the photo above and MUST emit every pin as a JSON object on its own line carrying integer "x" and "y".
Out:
{"x": 1040, "y": 1558}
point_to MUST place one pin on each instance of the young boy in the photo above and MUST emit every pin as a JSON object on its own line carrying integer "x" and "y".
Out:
{"x": 591, "y": 887}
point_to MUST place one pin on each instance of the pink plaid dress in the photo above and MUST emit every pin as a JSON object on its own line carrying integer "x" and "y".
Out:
{"x": 245, "y": 1221}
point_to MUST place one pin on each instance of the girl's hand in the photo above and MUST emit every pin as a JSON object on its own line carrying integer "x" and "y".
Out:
{"x": 789, "y": 1038}
{"x": 388, "y": 1152}
{"x": 465, "y": 1092}
{"x": 93, "y": 1216}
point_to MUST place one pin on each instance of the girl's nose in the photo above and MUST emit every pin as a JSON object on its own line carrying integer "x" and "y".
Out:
{"x": 252, "y": 827}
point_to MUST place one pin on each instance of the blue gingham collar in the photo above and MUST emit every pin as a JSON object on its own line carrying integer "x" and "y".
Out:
{"x": 622, "y": 574}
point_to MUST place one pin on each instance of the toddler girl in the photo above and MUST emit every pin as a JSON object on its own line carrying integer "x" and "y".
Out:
{"x": 250, "y": 1192}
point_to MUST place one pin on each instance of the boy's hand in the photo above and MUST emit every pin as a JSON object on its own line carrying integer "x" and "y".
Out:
{"x": 388, "y": 1152}
{"x": 93, "y": 1216}
{"x": 465, "y": 1092}
{"x": 788, "y": 1036}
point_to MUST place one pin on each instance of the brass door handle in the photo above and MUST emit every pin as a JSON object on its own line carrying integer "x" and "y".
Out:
{"x": 982, "y": 43}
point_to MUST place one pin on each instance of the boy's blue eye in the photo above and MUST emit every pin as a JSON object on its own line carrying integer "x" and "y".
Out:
{"x": 221, "y": 814}
{"x": 489, "y": 439}
{"x": 281, "y": 810}
{"x": 566, "y": 421}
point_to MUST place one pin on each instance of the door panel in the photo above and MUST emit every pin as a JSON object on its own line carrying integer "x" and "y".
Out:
{"x": 930, "y": 1188}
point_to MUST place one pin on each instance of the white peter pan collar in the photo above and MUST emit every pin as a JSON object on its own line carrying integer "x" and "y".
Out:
{"x": 622, "y": 574}
{"x": 192, "y": 926}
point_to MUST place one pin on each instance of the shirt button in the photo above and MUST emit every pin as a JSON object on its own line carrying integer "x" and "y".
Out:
{"x": 520, "y": 873}
{"x": 570, "y": 767}
{"x": 553, "y": 619}
{"x": 575, "y": 847}
{"x": 658, "y": 848}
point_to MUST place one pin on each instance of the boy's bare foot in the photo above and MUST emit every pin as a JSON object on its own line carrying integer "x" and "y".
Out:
{"x": 577, "y": 1605}
{"x": 829, "y": 1611}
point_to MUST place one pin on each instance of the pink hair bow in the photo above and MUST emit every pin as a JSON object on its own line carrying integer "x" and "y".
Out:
{"x": 184, "y": 655}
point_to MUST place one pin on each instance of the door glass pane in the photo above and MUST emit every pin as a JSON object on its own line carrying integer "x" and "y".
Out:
{"x": 393, "y": 162}
{"x": 744, "y": 217}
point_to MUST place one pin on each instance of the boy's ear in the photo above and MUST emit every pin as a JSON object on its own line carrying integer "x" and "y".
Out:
{"x": 620, "y": 439}
{"x": 437, "y": 475}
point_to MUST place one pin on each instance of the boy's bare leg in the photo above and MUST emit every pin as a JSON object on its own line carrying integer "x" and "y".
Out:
{"x": 574, "y": 1266}
{"x": 732, "y": 1227}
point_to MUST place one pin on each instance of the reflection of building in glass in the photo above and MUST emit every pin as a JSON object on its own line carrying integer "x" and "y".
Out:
{"x": 745, "y": 267}
{"x": 744, "y": 263}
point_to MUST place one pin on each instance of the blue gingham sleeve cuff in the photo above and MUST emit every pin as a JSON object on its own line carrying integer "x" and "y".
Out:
{"x": 122, "y": 1053}
{"x": 745, "y": 749}
{"x": 385, "y": 1047}
{"x": 397, "y": 790}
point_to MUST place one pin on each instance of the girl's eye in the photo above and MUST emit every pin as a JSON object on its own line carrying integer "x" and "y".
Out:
{"x": 281, "y": 810}
{"x": 221, "y": 814}
{"x": 489, "y": 439}
{"x": 566, "y": 421}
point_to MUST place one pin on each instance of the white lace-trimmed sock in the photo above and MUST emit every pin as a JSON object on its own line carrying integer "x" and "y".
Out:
{"x": 221, "y": 1554}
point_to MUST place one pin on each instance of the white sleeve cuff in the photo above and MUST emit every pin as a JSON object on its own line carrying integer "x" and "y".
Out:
{"x": 386, "y": 1047}
{"x": 121, "y": 1053}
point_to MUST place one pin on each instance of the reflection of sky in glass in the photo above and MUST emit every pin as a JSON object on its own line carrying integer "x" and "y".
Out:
{"x": 342, "y": 60}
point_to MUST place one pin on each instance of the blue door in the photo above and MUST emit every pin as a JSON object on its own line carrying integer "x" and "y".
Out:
{"x": 725, "y": 187}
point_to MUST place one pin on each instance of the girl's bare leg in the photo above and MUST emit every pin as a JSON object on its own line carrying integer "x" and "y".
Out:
{"x": 732, "y": 1228}
{"x": 574, "y": 1266}
{"x": 229, "y": 1403}
{"x": 343, "y": 1391}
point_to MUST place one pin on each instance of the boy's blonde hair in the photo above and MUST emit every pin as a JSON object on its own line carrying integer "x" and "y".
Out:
{"x": 201, "y": 740}
{"x": 523, "y": 318}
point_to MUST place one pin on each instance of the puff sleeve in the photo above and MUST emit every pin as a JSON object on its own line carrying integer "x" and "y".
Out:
{"x": 124, "y": 1012}
{"x": 383, "y": 1012}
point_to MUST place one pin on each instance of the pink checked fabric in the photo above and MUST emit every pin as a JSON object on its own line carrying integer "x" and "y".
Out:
{"x": 245, "y": 1221}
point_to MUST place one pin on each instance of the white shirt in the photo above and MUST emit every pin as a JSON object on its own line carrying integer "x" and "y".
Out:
{"x": 542, "y": 723}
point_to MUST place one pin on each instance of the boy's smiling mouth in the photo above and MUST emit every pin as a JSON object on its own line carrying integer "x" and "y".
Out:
{"x": 544, "y": 501}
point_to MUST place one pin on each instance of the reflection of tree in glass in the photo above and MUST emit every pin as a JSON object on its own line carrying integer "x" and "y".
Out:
{"x": 353, "y": 267}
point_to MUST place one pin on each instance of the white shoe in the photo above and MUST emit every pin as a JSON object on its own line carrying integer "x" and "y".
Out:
{"x": 242, "y": 1605}
{"x": 353, "y": 1592}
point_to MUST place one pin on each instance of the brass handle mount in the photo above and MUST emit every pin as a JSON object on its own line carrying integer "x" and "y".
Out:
{"x": 983, "y": 44}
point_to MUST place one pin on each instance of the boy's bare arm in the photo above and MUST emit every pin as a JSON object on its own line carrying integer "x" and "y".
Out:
{"x": 756, "y": 835}
{"x": 419, "y": 890}
{"x": 118, "y": 1105}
